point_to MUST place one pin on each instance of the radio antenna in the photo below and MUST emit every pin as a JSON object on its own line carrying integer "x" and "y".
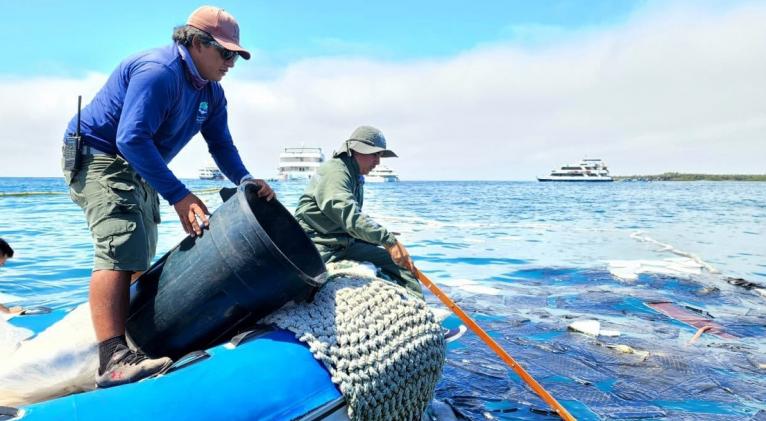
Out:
{"x": 79, "y": 105}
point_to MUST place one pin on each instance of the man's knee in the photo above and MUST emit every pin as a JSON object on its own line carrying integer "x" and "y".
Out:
{"x": 328, "y": 254}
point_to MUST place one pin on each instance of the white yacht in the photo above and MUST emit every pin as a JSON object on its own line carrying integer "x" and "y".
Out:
{"x": 381, "y": 174}
{"x": 299, "y": 163}
{"x": 210, "y": 172}
{"x": 586, "y": 170}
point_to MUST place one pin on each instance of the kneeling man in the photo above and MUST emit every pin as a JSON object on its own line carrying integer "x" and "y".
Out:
{"x": 330, "y": 211}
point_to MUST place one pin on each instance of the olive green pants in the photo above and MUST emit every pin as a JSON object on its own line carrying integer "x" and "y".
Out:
{"x": 122, "y": 211}
{"x": 378, "y": 256}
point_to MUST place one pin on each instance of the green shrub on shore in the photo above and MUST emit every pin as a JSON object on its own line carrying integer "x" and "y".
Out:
{"x": 674, "y": 176}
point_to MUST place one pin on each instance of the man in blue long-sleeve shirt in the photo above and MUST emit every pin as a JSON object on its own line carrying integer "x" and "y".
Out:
{"x": 148, "y": 110}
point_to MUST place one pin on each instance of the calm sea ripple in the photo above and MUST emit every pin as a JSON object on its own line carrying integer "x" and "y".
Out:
{"x": 525, "y": 259}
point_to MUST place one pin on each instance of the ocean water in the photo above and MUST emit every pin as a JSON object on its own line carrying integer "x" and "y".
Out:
{"x": 525, "y": 259}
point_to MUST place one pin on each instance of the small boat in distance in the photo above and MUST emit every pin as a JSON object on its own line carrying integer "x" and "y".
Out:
{"x": 210, "y": 172}
{"x": 299, "y": 163}
{"x": 586, "y": 170}
{"x": 381, "y": 174}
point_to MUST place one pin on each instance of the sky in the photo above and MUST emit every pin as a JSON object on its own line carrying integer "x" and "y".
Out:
{"x": 482, "y": 90}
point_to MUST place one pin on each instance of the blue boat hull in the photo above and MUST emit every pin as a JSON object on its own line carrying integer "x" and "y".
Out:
{"x": 270, "y": 375}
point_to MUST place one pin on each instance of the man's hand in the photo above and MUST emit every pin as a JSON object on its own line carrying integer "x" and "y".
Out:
{"x": 12, "y": 310}
{"x": 400, "y": 256}
{"x": 265, "y": 191}
{"x": 193, "y": 214}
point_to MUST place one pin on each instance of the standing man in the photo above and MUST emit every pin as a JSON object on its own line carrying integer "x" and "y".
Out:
{"x": 6, "y": 252}
{"x": 148, "y": 110}
{"x": 330, "y": 211}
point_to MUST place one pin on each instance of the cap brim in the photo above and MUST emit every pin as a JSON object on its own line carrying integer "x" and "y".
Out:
{"x": 367, "y": 149}
{"x": 232, "y": 46}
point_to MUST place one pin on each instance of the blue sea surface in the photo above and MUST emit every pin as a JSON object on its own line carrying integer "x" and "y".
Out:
{"x": 525, "y": 259}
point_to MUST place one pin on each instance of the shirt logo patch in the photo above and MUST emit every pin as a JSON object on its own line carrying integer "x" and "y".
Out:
{"x": 202, "y": 112}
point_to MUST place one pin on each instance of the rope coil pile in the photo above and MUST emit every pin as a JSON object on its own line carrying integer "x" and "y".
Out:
{"x": 383, "y": 348}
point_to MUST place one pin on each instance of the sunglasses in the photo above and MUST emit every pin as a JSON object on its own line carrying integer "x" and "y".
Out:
{"x": 226, "y": 55}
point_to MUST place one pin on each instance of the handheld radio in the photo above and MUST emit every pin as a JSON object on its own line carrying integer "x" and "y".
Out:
{"x": 73, "y": 145}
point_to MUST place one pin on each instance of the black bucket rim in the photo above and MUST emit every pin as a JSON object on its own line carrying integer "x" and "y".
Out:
{"x": 241, "y": 196}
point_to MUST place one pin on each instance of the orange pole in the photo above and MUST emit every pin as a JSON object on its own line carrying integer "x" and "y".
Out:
{"x": 541, "y": 392}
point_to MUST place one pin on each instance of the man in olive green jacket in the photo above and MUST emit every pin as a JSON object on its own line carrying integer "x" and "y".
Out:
{"x": 330, "y": 211}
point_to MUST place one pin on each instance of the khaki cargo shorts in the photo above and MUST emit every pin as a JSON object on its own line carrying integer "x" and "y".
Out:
{"x": 122, "y": 211}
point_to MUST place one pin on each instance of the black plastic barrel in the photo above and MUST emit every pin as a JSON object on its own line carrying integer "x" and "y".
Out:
{"x": 253, "y": 259}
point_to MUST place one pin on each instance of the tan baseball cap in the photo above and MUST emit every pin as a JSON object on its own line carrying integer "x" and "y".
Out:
{"x": 220, "y": 25}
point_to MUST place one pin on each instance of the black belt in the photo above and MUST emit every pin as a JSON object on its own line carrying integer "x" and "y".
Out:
{"x": 90, "y": 150}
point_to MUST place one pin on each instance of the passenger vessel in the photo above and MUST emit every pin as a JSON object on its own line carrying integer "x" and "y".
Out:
{"x": 300, "y": 163}
{"x": 210, "y": 172}
{"x": 586, "y": 170}
{"x": 381, "y": 174}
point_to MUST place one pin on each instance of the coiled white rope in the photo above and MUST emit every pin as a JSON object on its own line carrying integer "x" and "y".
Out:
{"x": 383, "y": 348}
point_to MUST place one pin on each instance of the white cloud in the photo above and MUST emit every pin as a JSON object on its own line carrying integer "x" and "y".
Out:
{"x": 674, "y": 89}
